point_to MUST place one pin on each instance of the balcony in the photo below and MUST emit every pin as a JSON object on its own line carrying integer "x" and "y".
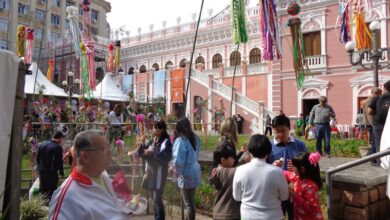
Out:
{"x": 317, "y": 62}
{"x": 257, "y": 68}
{"x": 366, "y": 58}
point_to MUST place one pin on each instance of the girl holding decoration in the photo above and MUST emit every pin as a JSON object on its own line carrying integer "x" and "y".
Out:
{"x": 305, "y": 184}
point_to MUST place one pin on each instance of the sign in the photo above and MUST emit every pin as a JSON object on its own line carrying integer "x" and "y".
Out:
{"x": 177, "y": 85}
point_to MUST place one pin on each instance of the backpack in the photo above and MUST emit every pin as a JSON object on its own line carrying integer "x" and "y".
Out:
{"x": 382, "y": 107}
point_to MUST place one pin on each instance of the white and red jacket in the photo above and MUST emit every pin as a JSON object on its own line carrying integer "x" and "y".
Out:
{"x": 80, "y": 198}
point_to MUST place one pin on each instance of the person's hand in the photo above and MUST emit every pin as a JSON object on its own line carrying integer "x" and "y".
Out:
{"x": 291, "y": 189}
{"x": 149, "y": 153}
{"x": 247, "y": 157}
{"x": 290, "y": 166}
{"x": 243, "y": 148}
{"x": 277, "y": 163}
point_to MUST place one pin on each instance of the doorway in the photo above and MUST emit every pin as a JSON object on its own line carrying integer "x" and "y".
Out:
{"x": 307, "y": 105}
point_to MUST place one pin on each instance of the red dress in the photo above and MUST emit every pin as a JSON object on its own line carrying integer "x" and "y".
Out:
{"x": 306, "y": 198}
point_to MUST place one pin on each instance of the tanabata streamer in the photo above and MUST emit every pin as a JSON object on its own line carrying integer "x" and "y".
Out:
{"x": 110, "y": 64}
{"x": 269, "y": 30}
{"x": 363, "y": 35}
{"x": 49, "y": 73}
{"x": 28, "y": 45}
{"x": 20, "y": 40}
{"x": 240, "y": 34}
{"x": 74, "y": 29}
{"x": 84, "y": 69}
{"x": 345, "y": 34}
{"x": 298, "y": 45}
{"x": 91, "y": 65}
{"x": 117, "y": 54}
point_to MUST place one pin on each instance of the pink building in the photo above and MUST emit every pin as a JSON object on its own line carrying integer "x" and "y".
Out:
{"x": 260, "y": 87}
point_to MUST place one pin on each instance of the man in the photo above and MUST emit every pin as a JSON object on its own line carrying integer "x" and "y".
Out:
{"x": 240, "y": 123}
{"x": 284, "y": 148}
{"x": 49, "y": 160}
{"x": 268, "y": 125}
{"x": 319, "y": 118}
{"x": 368, "y": 119}
{"x": 379, "y": 107}
{"x": 88, "y": 193}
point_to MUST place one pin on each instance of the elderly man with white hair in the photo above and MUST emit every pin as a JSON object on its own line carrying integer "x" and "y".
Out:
{"x": 88, "y": 193}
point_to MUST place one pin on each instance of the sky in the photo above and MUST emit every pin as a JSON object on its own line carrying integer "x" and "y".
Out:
{"x": 132, "y": 14}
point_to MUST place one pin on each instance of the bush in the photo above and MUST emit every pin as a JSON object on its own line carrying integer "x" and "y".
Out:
{"x": 34, "y": 209}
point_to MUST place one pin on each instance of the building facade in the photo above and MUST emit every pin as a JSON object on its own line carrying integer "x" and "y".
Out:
{"x": 260, "y": 87}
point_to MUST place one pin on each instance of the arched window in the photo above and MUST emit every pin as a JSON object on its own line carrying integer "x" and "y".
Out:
{"x": 217, "y": 59}
{"x": 200, "y": 59}
{"x": 131, "y": 71}
{"x": 142, "y": 69}
{"x": 255, "y": 56}
{"x": 99, "y": 74}
{"x": 169, "y": 63}
{"x": 156, "y": 67}
{"x": 235, "y": 59}
{"x": 183, "y": 63}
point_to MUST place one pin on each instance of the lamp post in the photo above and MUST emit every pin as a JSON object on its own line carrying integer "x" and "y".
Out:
{"x": 69, "y": 85}
{"x": 374, "y": 55}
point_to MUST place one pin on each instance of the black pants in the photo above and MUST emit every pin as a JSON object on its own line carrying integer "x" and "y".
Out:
{"x": 288, "y": 207}
{"x": 48, "y": 183}
{"x": 158, "y": 205}
{"x": 268, "y": 129}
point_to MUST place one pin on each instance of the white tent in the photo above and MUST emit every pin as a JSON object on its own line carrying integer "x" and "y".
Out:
{"x": 107, "y": 90}
{"x": 42, "y": 83}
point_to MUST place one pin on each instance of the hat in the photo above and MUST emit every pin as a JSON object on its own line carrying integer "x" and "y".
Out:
{"x": 58, "y": 134}
{"x": 322, "y": 99}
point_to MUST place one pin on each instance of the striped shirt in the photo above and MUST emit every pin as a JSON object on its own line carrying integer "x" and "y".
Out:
{"x": 321, "y": 114}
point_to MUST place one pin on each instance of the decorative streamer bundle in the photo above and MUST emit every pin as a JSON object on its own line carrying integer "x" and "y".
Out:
{"x": 269, "y": 30}
{"x": 49, "y": 73}
{"x": 298, "y": 45}
{"x": 91, "y": 65}
{"x": 363, "y": 35}
{"x": 74, "y": 28}
{"x": 117, "y": 54}
{"x": 110, "y": 64}
{"x": 84, "y": 69}
{"x": 345, "y": 32}
{"x": 20, "y": 40}
{"x": 240, "y": 34}
{"x": 28, "y": 45}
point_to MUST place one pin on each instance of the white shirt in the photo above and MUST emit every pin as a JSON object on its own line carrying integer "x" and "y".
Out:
{"x": 261, "y": 188}
{"x": 115, "y": 120}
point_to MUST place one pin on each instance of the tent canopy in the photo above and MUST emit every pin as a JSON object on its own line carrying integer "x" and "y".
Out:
{"x": 107, "y": 90}
{"x": 42, "y": 83}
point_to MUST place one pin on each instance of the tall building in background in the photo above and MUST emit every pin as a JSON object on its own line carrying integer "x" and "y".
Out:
{"x": 48, "y": 18}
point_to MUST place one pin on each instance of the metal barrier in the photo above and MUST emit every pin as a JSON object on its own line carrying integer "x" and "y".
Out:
{"x": 345, "y": 166}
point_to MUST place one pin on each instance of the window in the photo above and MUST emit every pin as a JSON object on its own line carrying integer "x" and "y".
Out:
{"x": 156, "y": 67}
{"x": 142, "y": 69}
{"x": 94, "y": 15}
{"x": 53, "y": 37}
{"x": 169, "y": 63}
{"x": 22, "y": 9}
{"x": 41, "y": 1}
{"x": 217, "y": 59}
{"x": 3, "y": 45}
{"x": 183, "y": 63}
{"x": 69, "y": 3}
{"x": 81, "y": 12}
{"x": 200, "y": 59}
{"x": 56, "y": 3}
{"x": 39, "y": 15}
{"x": 235, "y": 59}
{"x": 4, "y": 5}
{"x": 312, "y": 42}
{"x": 80, "y": 26}
{"x": 36, "y": 53}
{"x": 38, "y": 33}
{"x": 3, "y": 25}
{"x": 55, "y": 19}
{"x": 255, "y": 56}
{"x": 94, "y": 30}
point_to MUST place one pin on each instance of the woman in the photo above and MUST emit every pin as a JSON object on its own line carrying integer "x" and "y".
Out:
{"x": 116, "y": 120}
{"x": 157, "y": 156}
{"x": 186, "y": 167}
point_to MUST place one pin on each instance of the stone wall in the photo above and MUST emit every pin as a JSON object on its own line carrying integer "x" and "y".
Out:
{"x": 353, "y": 201}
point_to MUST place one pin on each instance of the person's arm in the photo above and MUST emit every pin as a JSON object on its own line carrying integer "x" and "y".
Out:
{"x": 332, "y": 113}
{"x": 308, "y": 201}
{"x": 179, "y": 156}
{"x": 165, "y": 153}
{"x": 282, "y": 185}
{"x": 371, "y": 110}
{"x": 237, "y": 188}
{"x": 312, "y": 115}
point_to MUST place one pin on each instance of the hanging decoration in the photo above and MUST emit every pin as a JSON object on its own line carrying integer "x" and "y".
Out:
{"x": 240, "y": 34}
{"x": 298, "y": 45}
{"x": 50, "y": 70}
{"x": 345, "y": 31}
{"x": 91, "y": 65}
{"x": 20, "y": 40}
{"x": 110, "y": 64}
{"x": 269, "y": 30}
{"x": 117, "y": 54}
{"x": 74, "y": 29}
{"x": 28, "y": 45}
{"x": 363, "y": 35}
{"x": 84, "y": 70}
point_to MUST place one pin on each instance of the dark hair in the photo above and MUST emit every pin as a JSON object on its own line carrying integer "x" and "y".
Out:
{"x": 387, "y": 86}
{"x": 118, "y": 110}
{"x": 312, "y": 172}
{"x": 162, "y": 126}
{"x": 281, "y": 120}
{"x": 183, "y": 128}
{"x": 259, "y": 146}
{"x": 224, "y": 150}
{"x": 58, "y": 135}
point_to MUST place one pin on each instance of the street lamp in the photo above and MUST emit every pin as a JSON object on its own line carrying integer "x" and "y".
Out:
{"x": 69, "y": 85}
{"x": 374, "y": 55}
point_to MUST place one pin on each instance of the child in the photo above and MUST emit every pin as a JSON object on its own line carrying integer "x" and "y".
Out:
{"x": 119, "y": 150}
{"x": 225, "y": 207}
{"x": 305, "y": 183}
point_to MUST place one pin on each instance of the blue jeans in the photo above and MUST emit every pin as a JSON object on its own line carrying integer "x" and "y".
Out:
{"x": 378, "y": 129}
{"x": 158, "y": 205}
{"x": 323, "y": 132}
{"x": 370, "y": 130}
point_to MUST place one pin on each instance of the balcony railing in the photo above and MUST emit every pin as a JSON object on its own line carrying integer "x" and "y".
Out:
{"x": 257, "y": 68}
{"x": 316, "y": 62}
{"x": 213, "y": 72}
{"x": 229, "y": 71}
{"x": 366, "y": 58}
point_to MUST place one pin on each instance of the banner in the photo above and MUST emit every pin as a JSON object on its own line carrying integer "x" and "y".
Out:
{"x": 127, "y": 83}
{"x": 142, "y": 89}
{"x": 177, "y": 85}
{"x": 159, "y": 84}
